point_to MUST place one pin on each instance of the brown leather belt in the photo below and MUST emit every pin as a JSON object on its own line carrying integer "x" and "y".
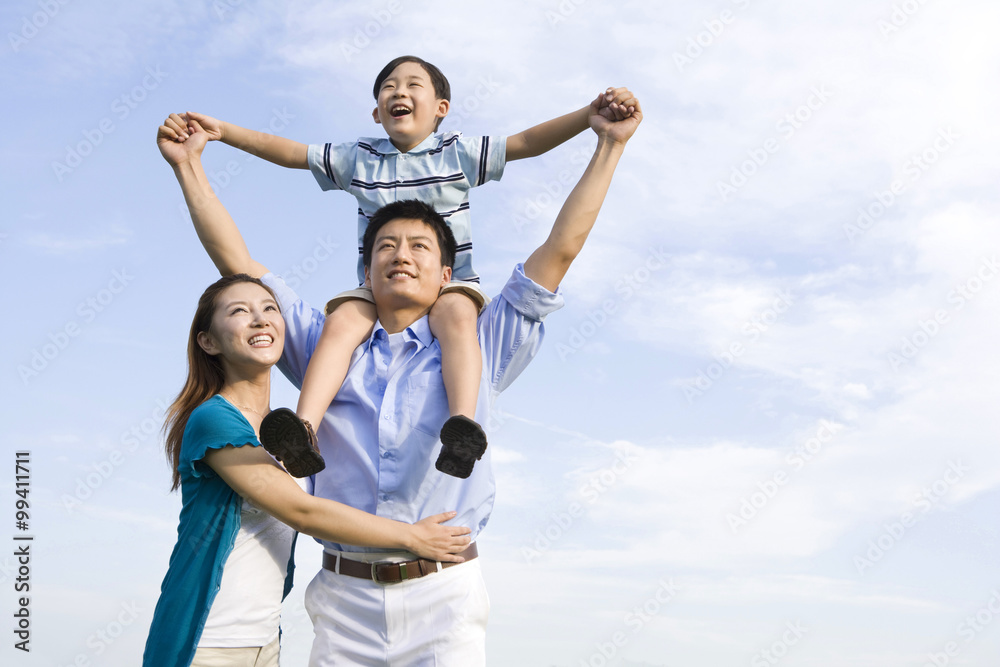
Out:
{"x": 387, "y": 572}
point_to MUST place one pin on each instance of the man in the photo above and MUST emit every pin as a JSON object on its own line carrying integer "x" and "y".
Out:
{"x": 379, "y": 437}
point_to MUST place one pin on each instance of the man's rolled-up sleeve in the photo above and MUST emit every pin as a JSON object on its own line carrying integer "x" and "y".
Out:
{"x": 511, "y": 330}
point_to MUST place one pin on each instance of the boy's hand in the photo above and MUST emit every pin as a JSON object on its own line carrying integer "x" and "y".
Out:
{"x": 179, "y": 141}
{"x": 212, "y": 126}
{"x": 617, "y": 103}
{"x": 613, "y": 121}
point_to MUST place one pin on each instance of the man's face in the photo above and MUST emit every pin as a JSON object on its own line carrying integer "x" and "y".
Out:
{"x": 406, "y": 268}
{"x": 408, "y": 108}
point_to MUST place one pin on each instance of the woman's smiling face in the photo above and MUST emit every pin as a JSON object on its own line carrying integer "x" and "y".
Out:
{"x": 247, "y": 327}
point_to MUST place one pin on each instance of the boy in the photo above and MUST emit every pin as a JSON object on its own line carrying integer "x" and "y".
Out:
{"x": 413, "y": 97}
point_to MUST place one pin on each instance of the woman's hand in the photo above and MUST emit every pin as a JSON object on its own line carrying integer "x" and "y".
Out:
{"x": 430, "y": 539}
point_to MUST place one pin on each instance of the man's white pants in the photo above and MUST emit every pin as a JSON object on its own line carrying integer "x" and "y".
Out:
{"x": 438, "y": 620}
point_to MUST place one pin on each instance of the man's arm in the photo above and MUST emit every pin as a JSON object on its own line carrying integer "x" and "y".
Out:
{"x": 216, "y": 229}
{"x": 548, "y": 264}
{"x": 543, "y": 138}
{"x": 280, "y": 151}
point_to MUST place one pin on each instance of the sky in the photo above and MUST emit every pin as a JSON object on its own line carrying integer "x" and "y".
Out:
{"x": 759, "y": 432}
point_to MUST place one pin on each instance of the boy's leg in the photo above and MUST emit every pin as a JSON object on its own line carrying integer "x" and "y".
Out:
{"x": 290, "y": 437}
{"x": 345, "y": 328}
{"x": 453, "y": 322}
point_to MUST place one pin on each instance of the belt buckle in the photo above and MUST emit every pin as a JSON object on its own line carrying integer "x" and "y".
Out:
{"x": 403, "y": 574}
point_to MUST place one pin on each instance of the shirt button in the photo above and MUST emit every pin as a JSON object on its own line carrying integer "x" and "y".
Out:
{"x": 387, "y": 455}
{"x": 385, "y": 496}
{"x": 387, "y": 417}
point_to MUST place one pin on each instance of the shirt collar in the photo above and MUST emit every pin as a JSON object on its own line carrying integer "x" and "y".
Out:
{"x": 385, "y": 146}
{"x": 419, "y": 331}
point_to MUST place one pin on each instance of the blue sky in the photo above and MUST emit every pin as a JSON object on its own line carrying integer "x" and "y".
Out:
{"x": 759, "y": 432}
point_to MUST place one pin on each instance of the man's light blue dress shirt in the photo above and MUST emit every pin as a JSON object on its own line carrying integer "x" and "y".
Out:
{"x": 380, "y": 435}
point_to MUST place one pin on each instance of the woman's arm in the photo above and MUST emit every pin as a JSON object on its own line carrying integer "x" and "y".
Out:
{"x": 218, "y": 233}
{"x": 253, "y": 474}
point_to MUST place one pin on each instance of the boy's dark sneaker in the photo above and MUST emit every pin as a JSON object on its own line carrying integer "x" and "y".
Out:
{"x": 292, "y": 441}
{"x": 463, "y": 442}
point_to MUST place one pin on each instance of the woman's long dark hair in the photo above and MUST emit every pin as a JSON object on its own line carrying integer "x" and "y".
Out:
{"x": 205, "y": 374}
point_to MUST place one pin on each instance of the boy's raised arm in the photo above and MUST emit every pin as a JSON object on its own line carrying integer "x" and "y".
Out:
{"x": 216, "y": 229}
{"x": 548, "y": 264}
{"x": 280, "y": 151}
{"x": 546, "y": 136}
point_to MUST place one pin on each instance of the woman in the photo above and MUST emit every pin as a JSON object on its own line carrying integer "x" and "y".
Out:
{"x": 221, "y": 598}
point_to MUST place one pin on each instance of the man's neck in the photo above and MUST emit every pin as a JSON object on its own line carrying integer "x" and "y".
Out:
{"x": 394, "y": 320}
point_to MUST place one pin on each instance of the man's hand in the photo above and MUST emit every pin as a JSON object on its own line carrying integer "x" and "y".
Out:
{"x": 180, "y": 141}
{"x": 615, "y": 114}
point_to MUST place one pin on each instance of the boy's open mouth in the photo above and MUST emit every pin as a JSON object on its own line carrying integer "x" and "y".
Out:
{"x": 398, "y": 111}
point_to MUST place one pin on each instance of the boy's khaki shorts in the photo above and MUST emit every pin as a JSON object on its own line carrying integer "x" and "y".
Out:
{"x": 470, "y": 290}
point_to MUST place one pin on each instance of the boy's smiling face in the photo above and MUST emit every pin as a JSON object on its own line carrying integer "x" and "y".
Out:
{"x": 408, "y": 106}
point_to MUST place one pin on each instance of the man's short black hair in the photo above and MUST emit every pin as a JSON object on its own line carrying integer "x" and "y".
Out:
{"x": 442, "y": 89}
{"x": 409, "y": 209}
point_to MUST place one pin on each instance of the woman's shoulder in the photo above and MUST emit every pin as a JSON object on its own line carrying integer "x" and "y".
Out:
{"x": 217, "y": 419}
{"x": 213, "y": 409}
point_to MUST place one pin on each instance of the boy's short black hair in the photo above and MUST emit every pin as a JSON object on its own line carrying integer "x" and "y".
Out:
{"x": 409, "y": 209}
{"x": 442, "y": 89}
